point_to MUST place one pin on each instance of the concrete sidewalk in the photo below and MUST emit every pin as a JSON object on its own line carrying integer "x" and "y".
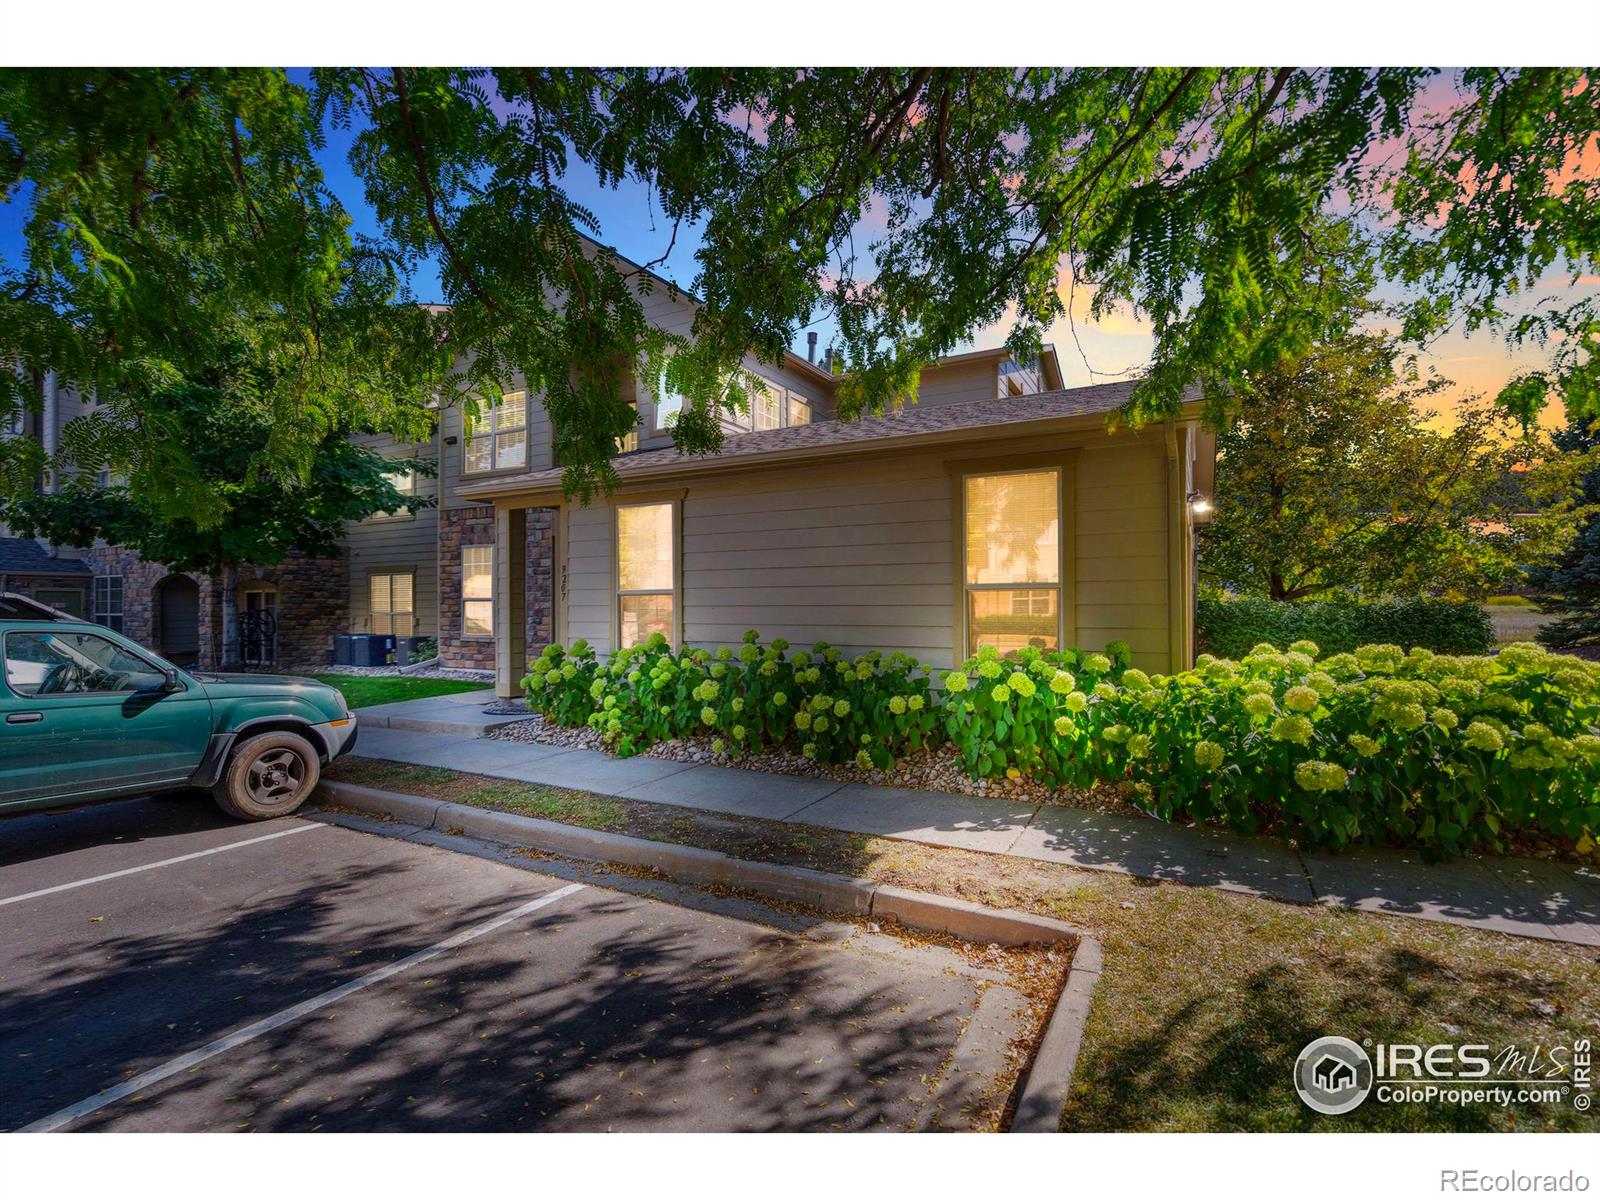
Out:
{"x": 1517, "y": 896}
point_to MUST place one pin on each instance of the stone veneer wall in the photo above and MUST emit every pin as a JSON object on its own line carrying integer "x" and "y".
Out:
{"x": 541, "y": 628}
{"x": 459, "y": 527}
{"x": 312, "y": 604}
{"x": 474, "y": 526}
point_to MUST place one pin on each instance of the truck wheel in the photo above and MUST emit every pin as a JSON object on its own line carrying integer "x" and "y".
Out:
{"x": 268, "y": 775}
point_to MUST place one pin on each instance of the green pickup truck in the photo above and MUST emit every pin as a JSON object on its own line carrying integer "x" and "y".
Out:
{"x": 87, "y": 715}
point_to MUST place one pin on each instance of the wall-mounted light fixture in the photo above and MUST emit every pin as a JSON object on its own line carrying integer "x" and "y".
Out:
{"x": 1199, "y": 504}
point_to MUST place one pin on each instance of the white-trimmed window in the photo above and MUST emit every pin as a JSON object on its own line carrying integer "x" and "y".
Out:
{"x": 404, "y": 482}
{"x": 799, "y": 410}
{"x": 497, "y": 437}
{"x": 669, "y": 404}
{"x": 106, "y": 604}
{"x": 477, "y": 591}
{"x": 1012, "y": 560}
{"x": 629, "y": 442}
{"x": 392, "y": 603}
{"x": 766, "y": 405}
{"x": 647, "y": 571}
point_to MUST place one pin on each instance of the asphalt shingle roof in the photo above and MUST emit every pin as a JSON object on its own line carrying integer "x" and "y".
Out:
{"x": 23, "y": 556}
{"x": 909, "y": 421}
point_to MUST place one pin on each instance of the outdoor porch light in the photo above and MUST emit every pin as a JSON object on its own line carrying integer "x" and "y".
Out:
{"x": 1199, "y": 503}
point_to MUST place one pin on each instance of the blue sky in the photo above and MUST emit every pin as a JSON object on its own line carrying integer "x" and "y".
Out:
{"x": 630, "y": 222}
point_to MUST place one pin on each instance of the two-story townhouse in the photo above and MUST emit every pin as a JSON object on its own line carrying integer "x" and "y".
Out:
{"x": 437, "y": 573}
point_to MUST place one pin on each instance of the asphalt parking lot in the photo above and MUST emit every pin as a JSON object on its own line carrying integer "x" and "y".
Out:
{"x": 165, "y": 968}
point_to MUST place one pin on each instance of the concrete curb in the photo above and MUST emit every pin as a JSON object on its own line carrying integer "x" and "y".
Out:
{"x": 1044, "y": 1090}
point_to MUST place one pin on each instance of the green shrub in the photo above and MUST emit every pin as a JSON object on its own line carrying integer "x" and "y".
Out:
{"x": 1228, "y": 628}
{"x": 1440, "y": 752}
{"x": 870, "y": 710}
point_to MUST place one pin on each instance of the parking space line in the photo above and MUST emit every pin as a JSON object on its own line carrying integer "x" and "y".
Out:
{"x": 166, "y": 862}
{"x": 239, "y": 1037}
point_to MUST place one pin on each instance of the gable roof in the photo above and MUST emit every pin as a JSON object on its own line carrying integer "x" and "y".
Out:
{"x": 24, "y": 556}
{"x": 910, "y": 426}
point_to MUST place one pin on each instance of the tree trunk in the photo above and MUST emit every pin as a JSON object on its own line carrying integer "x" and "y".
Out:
{"x": 230, "y": 618}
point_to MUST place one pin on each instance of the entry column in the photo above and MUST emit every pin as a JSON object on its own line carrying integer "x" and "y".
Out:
{"x": 510, "y": 599}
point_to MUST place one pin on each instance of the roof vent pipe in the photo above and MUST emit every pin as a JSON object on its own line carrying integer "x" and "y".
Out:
{"x": 811, "y": 346}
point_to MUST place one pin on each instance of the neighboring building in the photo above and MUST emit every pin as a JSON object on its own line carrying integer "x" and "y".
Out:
{"x": 34, "y": 569}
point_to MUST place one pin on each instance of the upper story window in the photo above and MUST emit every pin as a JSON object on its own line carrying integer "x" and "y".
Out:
{"x": 799, "y": 410}
{"x": 629, "y": 441}
{"x": 497, "y": 437}
{"x": 766, "y": 405}
{"x": 1012, "y": 568}
{"x": 404, "y": 482}
{"x": 669, "y": 404}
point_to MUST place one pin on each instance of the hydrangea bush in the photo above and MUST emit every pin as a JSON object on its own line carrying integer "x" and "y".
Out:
{"x": 870, "y": 710}
{"x": 1441, "y": 752}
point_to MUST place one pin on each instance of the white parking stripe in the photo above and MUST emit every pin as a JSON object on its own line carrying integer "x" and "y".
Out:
{"x": 228, "y": 1041}
{"x": 165, "y": 862}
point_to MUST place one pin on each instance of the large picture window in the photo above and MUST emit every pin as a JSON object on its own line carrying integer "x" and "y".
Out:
{"x": 646, "y": 572}
{"x": 1013, "y": 560}
{"x": 107, "y": 602}
{"x": 477, "y": 591}
{"x": 497, "y": 437}
{"x": 393, "y": 604}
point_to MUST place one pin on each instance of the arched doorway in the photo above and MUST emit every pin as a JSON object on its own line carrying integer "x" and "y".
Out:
{"x": 178, "y": 601}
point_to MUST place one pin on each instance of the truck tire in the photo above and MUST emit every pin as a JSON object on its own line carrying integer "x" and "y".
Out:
{"x": 268, "y": 775}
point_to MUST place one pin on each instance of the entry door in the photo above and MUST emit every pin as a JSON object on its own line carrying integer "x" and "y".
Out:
{"x": 83, "y": 715}
{"x": 180, "y": 619}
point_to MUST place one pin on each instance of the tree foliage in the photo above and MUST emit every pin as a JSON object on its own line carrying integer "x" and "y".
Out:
{"x": 1329, "y": 483}
{"x": 1232, "y": 207}
{"x": 1571, "y": 584}
{"x": 216, "y": 424}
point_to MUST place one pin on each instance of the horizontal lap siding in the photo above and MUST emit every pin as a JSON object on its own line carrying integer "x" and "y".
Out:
{"x": 380, "y": 546}
{"x": 1121, "y": 542}
{"x": 588, "y": 573}
{"x": 863, "y": 557}
{"x": 859, "y": 558}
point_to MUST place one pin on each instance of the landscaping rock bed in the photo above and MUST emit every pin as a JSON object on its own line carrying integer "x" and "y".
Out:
{"x": 930, "y": 770}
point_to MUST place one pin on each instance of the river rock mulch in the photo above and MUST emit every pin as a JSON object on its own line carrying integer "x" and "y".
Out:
{"x": 929, "y": 770}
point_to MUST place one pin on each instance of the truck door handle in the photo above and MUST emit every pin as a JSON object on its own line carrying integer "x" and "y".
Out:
{"x": 25, "y": 718}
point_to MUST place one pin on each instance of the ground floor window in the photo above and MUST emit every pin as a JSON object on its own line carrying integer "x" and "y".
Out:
{"x": 477, "y": 591}
{"x": 646, "y": 572}
{"x": 392, "y": 604}
{"x": 107, "y": 608}
{"x": 1012, "y": 568}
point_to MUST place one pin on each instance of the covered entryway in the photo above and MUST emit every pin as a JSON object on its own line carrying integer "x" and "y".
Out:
{"x": 178, "y": 605}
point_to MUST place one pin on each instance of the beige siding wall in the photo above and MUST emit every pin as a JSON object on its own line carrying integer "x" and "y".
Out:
{"x": 1121, "y": 531}
{"x": 403, "y": 544}
{"x": 863, "y": 557}
{"x": 958, "y": 382}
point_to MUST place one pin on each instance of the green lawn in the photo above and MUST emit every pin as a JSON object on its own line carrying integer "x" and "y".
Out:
{"x": 363, "y": 690}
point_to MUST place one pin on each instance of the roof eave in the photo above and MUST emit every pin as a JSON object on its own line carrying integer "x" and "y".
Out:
{"x": 546, "y": 494}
